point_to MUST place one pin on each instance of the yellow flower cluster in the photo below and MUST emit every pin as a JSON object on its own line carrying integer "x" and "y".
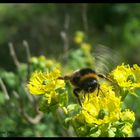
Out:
{"x": 86, "y": 47}
{"x": 103, "y": 108}
{"x": 106, "y": 108}
{"x": 127, "y": 77}
{"x": 79, "y": 37}
{"x": 128, "y": 115}
{"x": 45, "y": 83}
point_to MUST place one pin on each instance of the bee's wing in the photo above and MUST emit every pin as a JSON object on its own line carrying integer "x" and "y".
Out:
{"x": 105, "y": 59}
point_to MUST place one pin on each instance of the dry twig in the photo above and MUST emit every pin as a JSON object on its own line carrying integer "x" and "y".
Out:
{"x": 13, "y": 54}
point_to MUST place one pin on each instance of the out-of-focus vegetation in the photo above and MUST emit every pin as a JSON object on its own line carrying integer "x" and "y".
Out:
{"x": 49, "y": 30}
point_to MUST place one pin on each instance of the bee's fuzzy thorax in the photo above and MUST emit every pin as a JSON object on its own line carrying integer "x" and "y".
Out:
{"x": 89, "y": 76}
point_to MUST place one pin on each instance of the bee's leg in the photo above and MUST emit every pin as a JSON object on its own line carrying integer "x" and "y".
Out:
{"x": 100, "y": 90}
{"x": 88, "y": 96}
{"x": 76, "y": 93}
{"x": 104, "y": 77}
{"x": 84, "y": 95}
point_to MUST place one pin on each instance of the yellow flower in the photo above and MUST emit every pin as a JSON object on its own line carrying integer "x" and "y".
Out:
{"x": 50, "y": 63}
{"x": 42, "y": 58}
{"x": 101, "y": 109}
{"x": 128, "y": 116}
{"x": 136, "y": 70}
{"x": 79, "y": 37}
{"x": 86, "y": 47}
{"x": 127, "y": 129}
{"x": 44, "y": 82}
{"x": 127, "y": 77}
{"x": 34, "y": 60}
{"x": 121, "y": 74}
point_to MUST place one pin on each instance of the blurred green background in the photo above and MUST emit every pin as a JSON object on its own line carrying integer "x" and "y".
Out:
{"x": 48, "y": 29}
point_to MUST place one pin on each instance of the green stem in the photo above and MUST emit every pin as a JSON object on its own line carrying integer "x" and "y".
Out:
{"x": 124, "y": 94}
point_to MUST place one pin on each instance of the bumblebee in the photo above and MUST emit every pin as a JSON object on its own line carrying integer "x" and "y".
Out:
{"x": 85, "y": 80}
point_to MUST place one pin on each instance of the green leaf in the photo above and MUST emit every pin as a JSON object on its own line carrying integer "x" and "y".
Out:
{"x": 111, "y": 132}
{"x": 68, "y": 119}
{"x": 47, "y": 108}
{"x": 63, "y": 99}
{"x": 83, "y": 130}
{"x": 73, "y": 109}
{"x": 95, "y": 132}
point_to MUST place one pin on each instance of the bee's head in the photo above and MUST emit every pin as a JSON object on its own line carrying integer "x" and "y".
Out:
{"x": 89, "y": 84}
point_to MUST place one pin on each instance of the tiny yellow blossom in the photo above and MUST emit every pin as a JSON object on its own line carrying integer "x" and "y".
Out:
{"x": 128, "y": 116}
{"x": 86, "y": 47}
{"x": 34, "y": 60}
{"x": 50, "y": 63}
{"x": 42, "y": 58}
{"x": 79, "y": 37}
{"x": 44, "y": 82}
